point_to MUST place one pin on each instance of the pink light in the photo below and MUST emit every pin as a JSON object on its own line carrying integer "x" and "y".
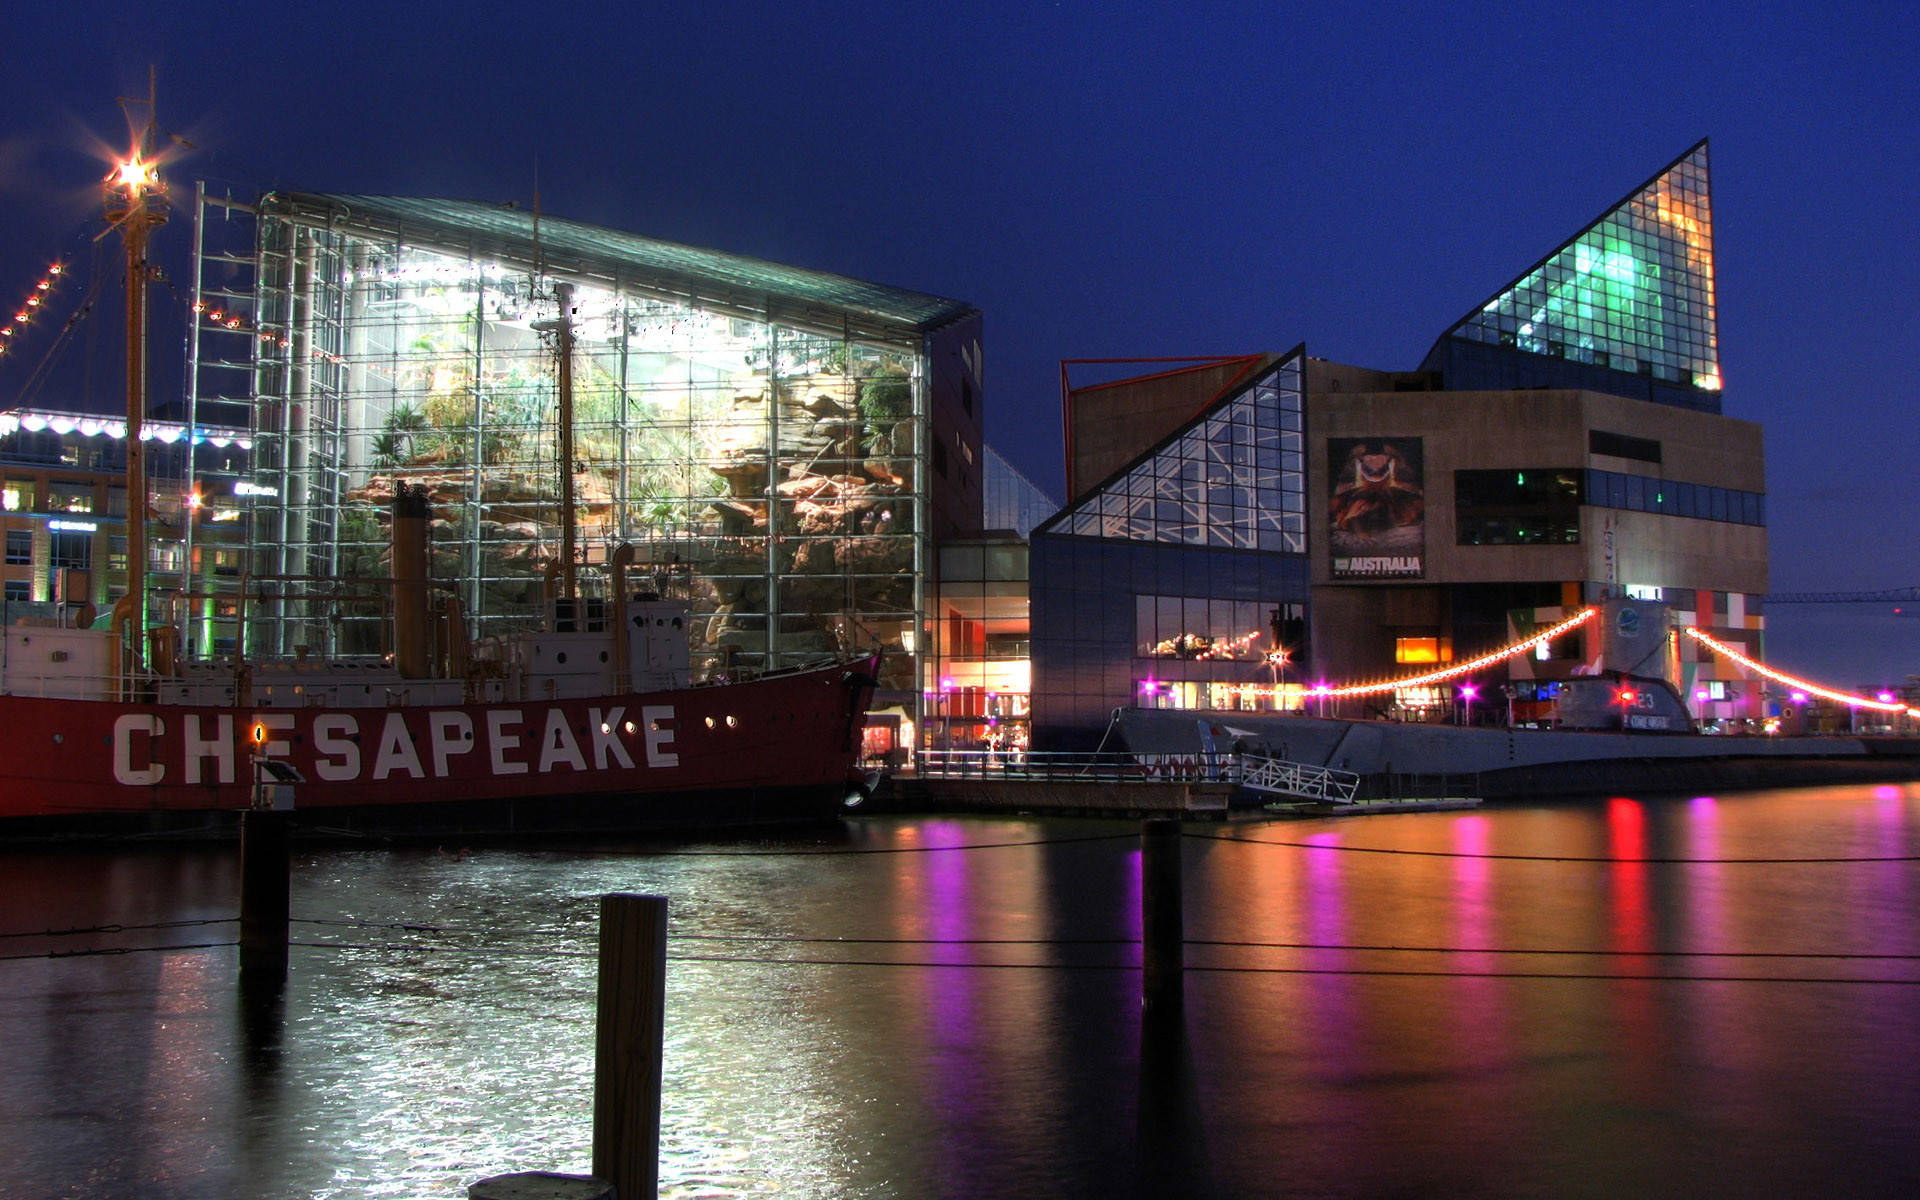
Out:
{"x": 1468, "y": 691}
{"x": 1700, "y": 695}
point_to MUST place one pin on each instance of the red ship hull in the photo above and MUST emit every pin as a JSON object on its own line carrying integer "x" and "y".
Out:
{"x": 794, "y": 735}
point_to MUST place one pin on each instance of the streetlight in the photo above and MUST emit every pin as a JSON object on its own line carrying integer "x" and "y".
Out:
{"x": 1467, "y": 693}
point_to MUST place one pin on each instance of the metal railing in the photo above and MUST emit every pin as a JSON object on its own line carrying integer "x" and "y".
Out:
{"x": 1302, "y": 780}
{"x": 1070, "y": 766}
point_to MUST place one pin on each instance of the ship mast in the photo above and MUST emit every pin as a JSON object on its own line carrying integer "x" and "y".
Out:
{"x": 135, "y": 201}
{"x": 562, "y": 327}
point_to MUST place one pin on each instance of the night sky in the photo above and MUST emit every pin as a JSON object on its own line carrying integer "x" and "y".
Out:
{"x": 1105, "y": 180}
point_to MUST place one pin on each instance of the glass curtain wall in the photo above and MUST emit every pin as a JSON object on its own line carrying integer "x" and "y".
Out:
{"x": 1625, "y": 306}
{"x": 1180, "y": 582}
{"x": 766, "y": 473}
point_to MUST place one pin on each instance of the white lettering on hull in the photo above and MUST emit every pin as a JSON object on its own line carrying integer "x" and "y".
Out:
{"x": 503, "y": 737}
{"x": 144, "y": 753}
{"x": 657, "y": 720}
{"x": 452, "y": 734}
{"x": 396, "y": 751}
{"x": 125, "y": 726}
{"x": 557, "y": 744}
{"x": 264, "y": 727}
{"x": 337, "y": 755}
{"x": 606, "y": 739}
{"x": 219, "y": 747}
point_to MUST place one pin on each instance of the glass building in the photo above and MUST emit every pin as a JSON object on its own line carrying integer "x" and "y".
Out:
{"x": 1263, "y": 526}
{"x": 1181, "y": 580}
{"x": 1573, "y": 450}
{"x": 780, "y": 446}
{"x": 1625, "y": 306}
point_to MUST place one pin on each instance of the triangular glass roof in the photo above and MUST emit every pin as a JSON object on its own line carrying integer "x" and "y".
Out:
{"x": 1631, "y": 292}
{"x": 1233, "y": 477}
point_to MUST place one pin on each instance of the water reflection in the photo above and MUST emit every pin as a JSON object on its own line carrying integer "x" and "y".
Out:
{"x": 1632, "y": 997}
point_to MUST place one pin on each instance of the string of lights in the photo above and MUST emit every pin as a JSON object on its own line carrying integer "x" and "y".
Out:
{"x": 1458, "y": 669}
{"x": 30, "y": 307}
{"x": 1886, "y": 702}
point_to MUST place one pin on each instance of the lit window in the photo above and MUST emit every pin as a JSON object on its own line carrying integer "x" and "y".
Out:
{"x": 1422, "y": 650}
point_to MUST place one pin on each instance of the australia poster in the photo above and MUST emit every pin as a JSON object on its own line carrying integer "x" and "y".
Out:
{"x": 1376, "y": 512}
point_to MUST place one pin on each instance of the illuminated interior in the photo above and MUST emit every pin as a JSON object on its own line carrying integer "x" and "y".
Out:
{"x": 1181, "y": 582}
{"x": 1632, "y": 292}
{"x": 1234, "y": 479}
{"x": 763, "y": 453}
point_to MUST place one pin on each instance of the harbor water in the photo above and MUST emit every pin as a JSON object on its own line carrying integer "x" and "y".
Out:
{"x": 1689, "y": 996}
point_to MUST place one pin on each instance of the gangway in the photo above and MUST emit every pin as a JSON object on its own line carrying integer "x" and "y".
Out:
{"x": 1305, "y": 781}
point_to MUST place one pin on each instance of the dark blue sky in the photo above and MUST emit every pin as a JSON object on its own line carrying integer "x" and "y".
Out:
{"x": 1115, "y": 179}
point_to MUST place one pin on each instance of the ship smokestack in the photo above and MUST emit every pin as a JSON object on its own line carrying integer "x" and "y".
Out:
{"x": 412, "y": 619}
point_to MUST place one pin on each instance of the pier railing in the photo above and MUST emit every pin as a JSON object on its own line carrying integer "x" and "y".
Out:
{"x": 1277, "y": 777}
{"x": 1304, "y": 780}
{"x": 1069, "y": 766}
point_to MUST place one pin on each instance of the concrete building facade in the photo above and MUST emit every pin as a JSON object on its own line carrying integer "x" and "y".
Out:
{"x": 1560, "y": 445}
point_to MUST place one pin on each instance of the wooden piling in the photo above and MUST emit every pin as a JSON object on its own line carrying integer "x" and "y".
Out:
{"x": 1162, "y": 918}
{"x": 628, "y": 1046}
{"x": 265, "y": 871}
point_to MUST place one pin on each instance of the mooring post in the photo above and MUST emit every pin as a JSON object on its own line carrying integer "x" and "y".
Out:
{"x": 628, "y": 1043}
{"x": 265, "y": 870}
{"x": 1162, "y": 919}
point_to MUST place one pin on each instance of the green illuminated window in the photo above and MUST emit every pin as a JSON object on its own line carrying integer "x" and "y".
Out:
{"x": 1633, "y": 291}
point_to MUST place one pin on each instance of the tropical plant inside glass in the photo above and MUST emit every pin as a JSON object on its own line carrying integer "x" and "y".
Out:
{"x": 393, "y": 446}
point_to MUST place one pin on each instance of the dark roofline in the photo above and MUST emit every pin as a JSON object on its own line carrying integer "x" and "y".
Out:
{"x": 736, "y": 283}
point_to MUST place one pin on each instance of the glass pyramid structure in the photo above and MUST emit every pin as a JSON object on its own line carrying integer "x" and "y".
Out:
{"x": 1626, "y": 305}
{"x": 1233, "y": 477}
